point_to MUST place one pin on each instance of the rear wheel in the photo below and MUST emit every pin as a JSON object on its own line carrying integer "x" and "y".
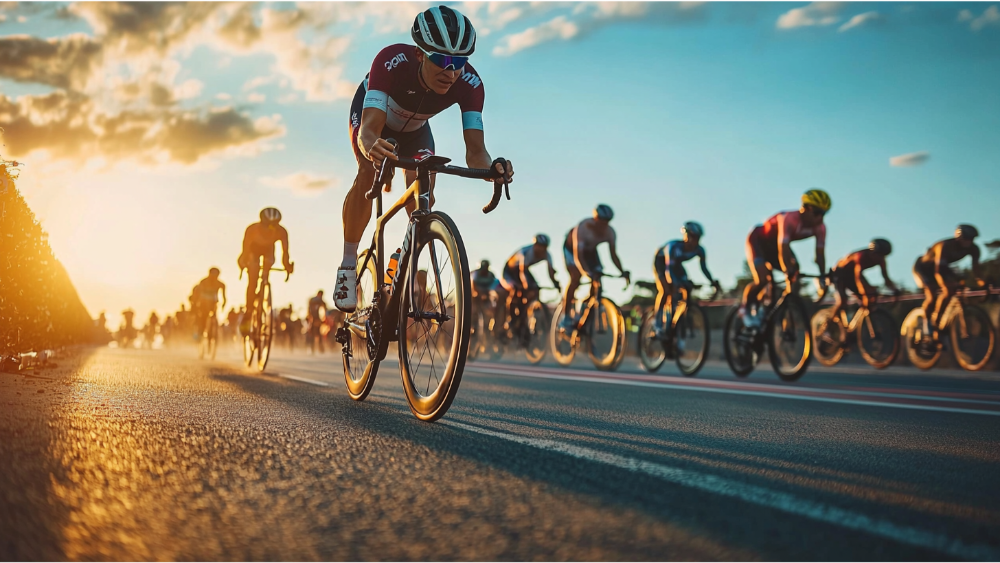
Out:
{"x": 921, "y": 349}
{"x": 606, "y": 335}
{"x": 364, "y": 327}
{"x": 878, "y": 339}
{"x": 789, "y": 342}
{"x": 829, "y": 337}
{"x": 692, "y": 338}
{"x": 434, "y": 319}
{"x": 972, "y": 338}
{"x": 737, "y": 345}
{"x": 561, "y": 341}
{"x": 536, "y": 327}
{"x": 651, "y": 352}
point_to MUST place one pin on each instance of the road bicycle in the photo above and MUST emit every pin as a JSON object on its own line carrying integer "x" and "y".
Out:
{"x": 687, "y": 340}
{"x": 784, "y": 332}
{"x": 257, "y": 344}
{"x": 209, "y": 337}
{"x": 527, "y": 328}
{"x": 972, "y": 336}
{"x": 425, "y": 304}
{"x": 600, "y": 322}
{"x": 875, "y": 329}
{"x": 482, "y": 342}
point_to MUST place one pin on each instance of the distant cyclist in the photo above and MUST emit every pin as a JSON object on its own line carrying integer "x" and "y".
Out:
{"x": 769, "y": 246}
{"x": 580, "y": 253}
{"x": 933, "y": 274}
{"x": 205, "y": 298}
{"x": 849, "y": 274}
{"x": 517, "y": 278}
{"x": 672, "y": 283}
{"x": 258, "y": 242}
{"x": 315, "y": 317}
{"x": 483, "y": 281}
{"x": 407, "y": 86}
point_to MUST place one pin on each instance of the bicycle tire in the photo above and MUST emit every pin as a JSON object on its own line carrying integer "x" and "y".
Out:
{"x": 741, "y": 356}
{"x": 977, "y": 320}
{"x": 616, "y": 322}
{"x": 777, "y": 335}
{"x": 437, "y": 230}
{"x": 912, "y": 331}
{"x": 828, "y": 346}
{"x": 651, "y": 352}
{"x": 360, "y": 365}
{"x": 687, "y": 323}
{"x": 873, "y": 346}
{"x": 561, "y": 342}
{"x": 266, "y": 329}
{"x": 538, "y": 325}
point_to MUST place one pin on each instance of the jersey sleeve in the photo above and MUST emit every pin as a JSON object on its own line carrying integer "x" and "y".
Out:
{"x": 471, "y": 102}
{"x": 380, "y": 79}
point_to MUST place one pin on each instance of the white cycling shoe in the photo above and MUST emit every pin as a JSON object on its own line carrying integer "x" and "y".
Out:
{"x": 345, "y": 293}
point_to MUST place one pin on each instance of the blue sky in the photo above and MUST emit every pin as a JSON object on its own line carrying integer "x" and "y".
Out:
{"x": 721, "y": 113}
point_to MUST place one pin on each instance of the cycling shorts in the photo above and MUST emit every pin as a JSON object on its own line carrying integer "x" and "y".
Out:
{"x": 762, "y": 250}
{"x": 843, "y": 279}
{"x": 415, "y": 144}
{"x": 512, "y": 279}
{"x": 674, "y": 274}
{"x": 923, "y": 274}
{"x": 590, "y": 259}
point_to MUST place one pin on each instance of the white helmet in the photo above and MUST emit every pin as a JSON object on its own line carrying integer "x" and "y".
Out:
{"x": 270, "y": 214}
{"x": 444, "y": 30}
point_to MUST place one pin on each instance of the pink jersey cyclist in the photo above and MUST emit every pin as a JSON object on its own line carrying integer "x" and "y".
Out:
{"x": 780, "y": 229}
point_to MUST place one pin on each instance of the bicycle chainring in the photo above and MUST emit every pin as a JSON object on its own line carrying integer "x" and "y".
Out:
{"x": 373, "y": 329}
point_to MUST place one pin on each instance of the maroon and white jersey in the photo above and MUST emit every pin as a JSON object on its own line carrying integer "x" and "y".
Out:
{"x": 393, "y": 86}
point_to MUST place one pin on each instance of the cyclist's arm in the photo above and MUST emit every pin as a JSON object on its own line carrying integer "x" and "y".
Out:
{"x": 821, "y": 248}
{"x": 704, "y": 266}
{"x": 372, "y": 121}
{"x": 552, "y": 269}
{"x": 612, "y": 248}
{"x": 522, "y": 263}
{"x": 578, "y": 250}
{"x": 244, "y": 259}
{"x": 885, "y": 275}
{"x": 975, "y": 263}
{"x": 223, "y": 289}
{"x": 283, "y": 238}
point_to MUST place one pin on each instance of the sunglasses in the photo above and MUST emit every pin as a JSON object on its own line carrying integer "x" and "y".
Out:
{"x": 446, "y": 62}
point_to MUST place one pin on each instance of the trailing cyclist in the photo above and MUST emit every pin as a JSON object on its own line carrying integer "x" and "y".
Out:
{"x": 580, "y": 253}
{"x": 672, "y": 283}
{"x": 517, "y": 280}
{"x": 934, "y": 276}
{"x": 315, "y": 318}
{"x": 205, "y": 299}
{"x": 769, "y": 245}
{"x": 407, "y": 85}
{"x": 258, "y": 242}
{"x": 849, "y": 274}
{"x": 483, "y": 282}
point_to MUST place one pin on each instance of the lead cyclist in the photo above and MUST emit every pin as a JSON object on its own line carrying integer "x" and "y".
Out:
{"x": 407, "y": 86}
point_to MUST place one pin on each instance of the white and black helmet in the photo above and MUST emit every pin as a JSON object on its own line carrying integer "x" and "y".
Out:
{"x": 270, "y": 214}
{"x": 444, "y": 30}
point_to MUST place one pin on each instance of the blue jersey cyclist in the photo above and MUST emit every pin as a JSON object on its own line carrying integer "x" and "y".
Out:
{"x": 483, "y": 281}
{"x": 671, "y": 277}
{"x": 407, "y": 86}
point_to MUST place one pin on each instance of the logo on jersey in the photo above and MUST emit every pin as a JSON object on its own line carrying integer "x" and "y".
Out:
{"x": 394, "y": 62}
{"x": 472, "y": 79}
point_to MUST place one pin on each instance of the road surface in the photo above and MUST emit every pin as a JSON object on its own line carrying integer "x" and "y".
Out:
{"x": 128, "y": 454}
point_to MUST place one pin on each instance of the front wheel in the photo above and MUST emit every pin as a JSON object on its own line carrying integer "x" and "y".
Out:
{"x": 789, "y": 343}
{"x": 651, "y": 352}
{"x": 828, "y": 337}
{"x": 972, "y": 338}
{"x": 922, "y": 350}
{"x": 435, "y": 318}
{"x": 266, "y": 329}
{"x": 606, "y": 335}
{"x": 692, "y": 339}
{"x": 878, "y": 339}
{"x": 738, "y": 345}
{"x": 537, "y": 324}
{"x": 562, "y": 342}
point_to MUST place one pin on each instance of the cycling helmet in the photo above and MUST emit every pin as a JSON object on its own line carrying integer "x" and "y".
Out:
{"x": 214, "y": 272}
{"x": 541, "y": 239}
{"x": 881, "y": 246}
{"x": 693, "y": 228}
{"x": 966, "y": 231}
{"x": 603, "y": 212}
{"x": 444, "y": 30}
{"x": 818, "y": 199}
{"x": 270, "y": 214}
{"x": 484, "y": 265}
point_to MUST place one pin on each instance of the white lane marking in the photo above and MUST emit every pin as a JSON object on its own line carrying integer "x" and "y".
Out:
{"x": 760, "y": 496}
{"x": 615, "y": 381}
{"x": 304, "y": 380}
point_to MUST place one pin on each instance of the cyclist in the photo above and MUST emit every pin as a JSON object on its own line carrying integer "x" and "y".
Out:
{"x": 483, "y": 281}
{"x": 205, "y": 299}
{"x": 932, "y": 273}
{"x": 407, "y": 86}
{"x": 258, "y": 242}
{"x": 517, "y": 279}
{"x": 580, "y": 253}
{"x": 315, "y": 316}
{"x": 849, "y": 274}
{"x": 672, "y": 283}
{"x": 769, "y": 245}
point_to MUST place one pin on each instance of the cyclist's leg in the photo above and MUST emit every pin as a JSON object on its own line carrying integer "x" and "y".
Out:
{"x": 925, "y": 281}
{"x": 759, "y": 268}
{"x": 253, "y": 275}
{"x": 662, "y": 292}
{"x": 571, "y": 286}
{"x": 840, "y": 286}
{"x": 944, "y": 296}
{"x": 678, "y": 300}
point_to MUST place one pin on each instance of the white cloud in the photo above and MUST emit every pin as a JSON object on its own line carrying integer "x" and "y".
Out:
{"x": 256, "y": 97}
{"x": 910, "y": 159}
{"x": 190, "y": 88}
{"x": 556, "y": 28}
{"x": 815, "y": 14}
{"x": 223, "y": 96}
{"x": 300, "y": 183}
{"x": 989, "y": 17}
{"x": 861, "y": 19}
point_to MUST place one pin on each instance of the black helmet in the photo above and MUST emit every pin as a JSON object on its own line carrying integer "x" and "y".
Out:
{"x": 603, "y": 211}
{"x": 542, "y": 239}
{"x": 444, "y": 30}
{"x": 484, "y": 264}
{"x": 966, "y": 231}
{"x": 881, "y": 246}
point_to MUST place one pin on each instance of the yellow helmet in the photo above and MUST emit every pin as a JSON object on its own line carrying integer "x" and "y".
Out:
{"x": 818, "y": 199}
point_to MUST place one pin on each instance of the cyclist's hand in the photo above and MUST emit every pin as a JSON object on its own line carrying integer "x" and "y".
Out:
{"x": 980, "y": 282}
{"x": 508, "y": 173}
{"x": 627, "y": 275}
{"x": 290, "y": 267}
{"x": 381, "y": 150}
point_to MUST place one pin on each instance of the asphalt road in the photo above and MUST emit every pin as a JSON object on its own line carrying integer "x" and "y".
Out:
{"x": 154, "y": 455}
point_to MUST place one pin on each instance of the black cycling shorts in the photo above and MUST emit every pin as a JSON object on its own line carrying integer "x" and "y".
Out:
{"x": 414, "y": 144}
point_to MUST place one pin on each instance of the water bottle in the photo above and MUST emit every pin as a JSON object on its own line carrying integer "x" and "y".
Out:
{"x": 390, "y": 270}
